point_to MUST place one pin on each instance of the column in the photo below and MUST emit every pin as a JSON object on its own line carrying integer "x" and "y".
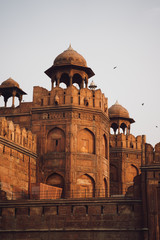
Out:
{"x": 20, "y": 99}
{"x": 71, "y": 77}
{"x": 58, "y": 81}
{"x": 5, "y": 101}
{"x": 13, "y": 97}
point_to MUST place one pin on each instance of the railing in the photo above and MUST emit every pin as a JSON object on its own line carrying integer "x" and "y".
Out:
{"x": 50, "y": 195}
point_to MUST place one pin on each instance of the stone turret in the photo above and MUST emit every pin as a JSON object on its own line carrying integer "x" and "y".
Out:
{"x": 10, "y": 88}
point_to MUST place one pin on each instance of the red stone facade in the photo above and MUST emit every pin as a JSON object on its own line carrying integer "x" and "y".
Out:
{"x": 109, "y": 179}
{"x": 17, "y": 160}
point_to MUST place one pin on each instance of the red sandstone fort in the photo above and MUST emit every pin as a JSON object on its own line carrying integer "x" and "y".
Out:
{"x": 70, "y": 167}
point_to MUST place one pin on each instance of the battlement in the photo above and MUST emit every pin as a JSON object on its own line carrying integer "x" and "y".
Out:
{"x": 127, "y": 141}
{"x": 152, "y": 154}
{"x": 70, "y": 96}
{"x": 99, "y": 219}
{"x": 16, "y": 135}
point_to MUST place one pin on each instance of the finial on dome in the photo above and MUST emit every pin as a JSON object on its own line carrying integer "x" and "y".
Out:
{"x": 70, "y": 47}
{"x": 117, "y": 103}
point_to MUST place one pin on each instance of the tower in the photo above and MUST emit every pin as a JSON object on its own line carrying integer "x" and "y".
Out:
{"x": 125, "y": 151}
{"x": 72, "y": 125}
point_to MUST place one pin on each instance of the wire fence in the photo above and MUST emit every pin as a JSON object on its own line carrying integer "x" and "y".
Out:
{"x": 59, "y": 194}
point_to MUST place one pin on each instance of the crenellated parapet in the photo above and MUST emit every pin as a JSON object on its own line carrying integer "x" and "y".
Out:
{"x": 70, "y": 96}
{"x": 152, "y": 154}
{"x": 126, "y": 141}
{"x": 14, "y": 135}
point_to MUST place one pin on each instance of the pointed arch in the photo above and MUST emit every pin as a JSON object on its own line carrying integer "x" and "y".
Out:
{"x": 56, "y": 140}
{"x": 56, "y": 180}
{"x": 65, "y": 79}
{"x": 77, "y": 78}
{"x": 123, "y": 126}
{"x": 85, "y": 186}
{"x": 114, "y": 126}
{"x": 131, "y": 172}
{"x": 86, "y": 141}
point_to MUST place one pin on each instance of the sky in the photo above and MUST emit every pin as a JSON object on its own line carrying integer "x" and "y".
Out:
{"x": 107, "y": 33}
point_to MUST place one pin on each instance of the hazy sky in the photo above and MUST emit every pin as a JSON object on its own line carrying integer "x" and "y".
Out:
{"x": 108, "y": 33}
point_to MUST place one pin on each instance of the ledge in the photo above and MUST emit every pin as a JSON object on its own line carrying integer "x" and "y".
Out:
{"x": 17, "y": 147}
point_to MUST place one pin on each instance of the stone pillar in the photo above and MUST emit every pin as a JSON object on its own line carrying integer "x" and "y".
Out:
{"x": 118, "y": 129}
{"x": 71, "y": 78}
{"x": 52, "y": 84}
{"x": 86, "y": 82}
{"x": 5, "y": 101}
{"x": 13, "y": 98}
{"x": 82, "y": 84}
{"x": 58, "y": 81}
{"x": 20, "y": 99}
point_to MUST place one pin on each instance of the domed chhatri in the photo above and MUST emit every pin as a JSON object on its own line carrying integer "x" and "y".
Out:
{"x": 69, "y": 67}
{"x": 10, "y": 88}
{"x": 70, "y": 57}
{"x": 119, "y": 118}
{"x": 118, "y": 110}
{"x": 9, "y": 83}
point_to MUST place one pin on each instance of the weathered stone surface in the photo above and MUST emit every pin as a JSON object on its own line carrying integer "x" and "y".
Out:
{"x": 63, "y": 139}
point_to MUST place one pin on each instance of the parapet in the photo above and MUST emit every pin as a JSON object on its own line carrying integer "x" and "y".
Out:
{"x": 126, "y": 141}
{"x": 15, "y": 134}
{"x": 70, "y": 96}
{"x": 152, "y": 154}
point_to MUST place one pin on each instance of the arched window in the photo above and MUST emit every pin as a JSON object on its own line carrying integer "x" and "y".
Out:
{"x": 85, "y": 186}
{"x": 86, "y": 141}
{"x": 56, "y": 140}
{"x": 105, "y": 147}
{"x": 56, "y": 180}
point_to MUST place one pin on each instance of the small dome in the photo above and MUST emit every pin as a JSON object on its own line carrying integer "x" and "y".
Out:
{"x": 92, "y": 85}
{"x": 70, "y": 57}
{"x": 10, "y": 83}
{"x": 117, "y": 110}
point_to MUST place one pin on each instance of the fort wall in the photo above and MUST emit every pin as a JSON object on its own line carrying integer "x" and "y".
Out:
{"x": 88, "y": 219}
{"x": 17, "y": 159}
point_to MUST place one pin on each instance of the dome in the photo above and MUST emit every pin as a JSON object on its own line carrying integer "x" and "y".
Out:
{"x": 117, "y": 110}
{"x": 70, "y": 57}
{"x": 10, "y": 83}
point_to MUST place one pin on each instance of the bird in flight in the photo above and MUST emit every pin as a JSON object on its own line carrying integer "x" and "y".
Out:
{"x": 115, "y": 67}
{"x": 142, "y": 104}
{"x": 156, "y": 126}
